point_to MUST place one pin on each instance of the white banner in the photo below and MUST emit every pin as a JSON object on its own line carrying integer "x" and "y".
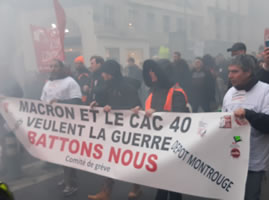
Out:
{"x": 202, "y": 154}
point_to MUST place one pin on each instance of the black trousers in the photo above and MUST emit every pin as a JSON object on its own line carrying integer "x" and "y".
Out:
{"x": 253, "y": 185}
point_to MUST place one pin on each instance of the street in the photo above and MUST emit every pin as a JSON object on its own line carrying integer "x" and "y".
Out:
{"x": 40, "y": 182}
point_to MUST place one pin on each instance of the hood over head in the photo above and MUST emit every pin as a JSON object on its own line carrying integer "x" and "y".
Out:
{"x": 113, "y": 68}
{"x": 163, "y": 71}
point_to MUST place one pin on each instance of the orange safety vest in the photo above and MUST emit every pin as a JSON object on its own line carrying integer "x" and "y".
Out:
{"x": 169, "y": 99}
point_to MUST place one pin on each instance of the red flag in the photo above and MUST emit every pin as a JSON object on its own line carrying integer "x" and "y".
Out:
{"x": 61, "y": 21}
{"x": 47, "y": 45}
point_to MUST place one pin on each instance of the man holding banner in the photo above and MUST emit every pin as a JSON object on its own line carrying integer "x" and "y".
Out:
{"x": 249, "y": 98}
{"x": 62, "y": 89}
{"x": 163, "y": 97}
{"x": 118, "y": 95}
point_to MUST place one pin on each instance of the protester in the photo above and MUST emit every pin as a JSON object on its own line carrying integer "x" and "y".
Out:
{"x": 240, "y": 48}
{"x": 133, "y": 70}
{"x": 203, "y": 87}
{"x": 263, "y": 72}
{"x": 118, "y": 94}
{"x": 222, "y": 67}
{"x": 96, "y": 79}
{"x": 210, "y": 66}
{"x": 82, "y": 76}
{"x": 134, "y": 76}
{"x": 181, "y": 72}
{"x": 164, "y": 96}
{"x": 61, "y": 88}
{"x": 252, "y": 103}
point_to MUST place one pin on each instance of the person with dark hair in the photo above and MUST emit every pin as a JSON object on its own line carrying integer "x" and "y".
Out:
{"x": 164, "y": 96}
{"x": 203, "y": 87}
{"x": 176, "y": 56}
{"x": 82, "y": 76}
{"x": 263, "y": 72}
{"x": 210, "y": 66}
{"x": 209, "y": 63}
{"x": 133, "y": 74}
{"x": 181, "y": 72}
{"x": 96, "y": 63}
{"x": 96, "y": 84}
{"x": 61, "y": 88}
{"x": 133, "y": 71}
{"x": 248, "y": 98}
{"x": 117, "y": 94}
{"x": 240, "y": 48}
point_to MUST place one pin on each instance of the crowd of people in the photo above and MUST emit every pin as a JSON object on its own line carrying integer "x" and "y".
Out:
{"x": 205, "y": 85}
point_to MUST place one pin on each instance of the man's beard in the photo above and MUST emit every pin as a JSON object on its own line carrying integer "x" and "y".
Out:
{"x": 57, "y": 75}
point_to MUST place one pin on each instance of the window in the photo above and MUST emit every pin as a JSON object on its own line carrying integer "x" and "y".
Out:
{"x": 166, "y": 23}
{"x": 150, "y": 21}
{"x": 109, "y": 15}
{"x": 180, "y": 25}
{"x": 218, "y": 27}
{"x": 113, "y": 53}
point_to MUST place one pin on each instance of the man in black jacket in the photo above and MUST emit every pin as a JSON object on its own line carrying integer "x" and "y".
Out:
{"x": 164, "y": 96}
{"x": 116, "y": 93}
{"x": 203, "y": 87}
{"x": 181, "y": 72}
{"x": 96, "y": 79}
{"x": 133, "y": 70}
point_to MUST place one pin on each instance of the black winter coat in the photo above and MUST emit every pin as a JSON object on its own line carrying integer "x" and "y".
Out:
{"x": 118, "y": 94}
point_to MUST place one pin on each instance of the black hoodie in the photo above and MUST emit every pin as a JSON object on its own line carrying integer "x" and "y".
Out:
{"x": 160, "y": 88}
{"x": 117, "y": 92}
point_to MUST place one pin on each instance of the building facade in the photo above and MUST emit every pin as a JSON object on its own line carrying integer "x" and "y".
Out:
{"x": 120, "y": 29}
{"x": 225, "y": 23}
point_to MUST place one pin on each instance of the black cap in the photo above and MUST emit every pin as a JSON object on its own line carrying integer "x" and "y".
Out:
{"x": 237, "y": 47}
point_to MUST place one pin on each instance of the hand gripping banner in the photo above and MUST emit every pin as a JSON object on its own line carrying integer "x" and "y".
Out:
{"x": 203, "y": 154}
